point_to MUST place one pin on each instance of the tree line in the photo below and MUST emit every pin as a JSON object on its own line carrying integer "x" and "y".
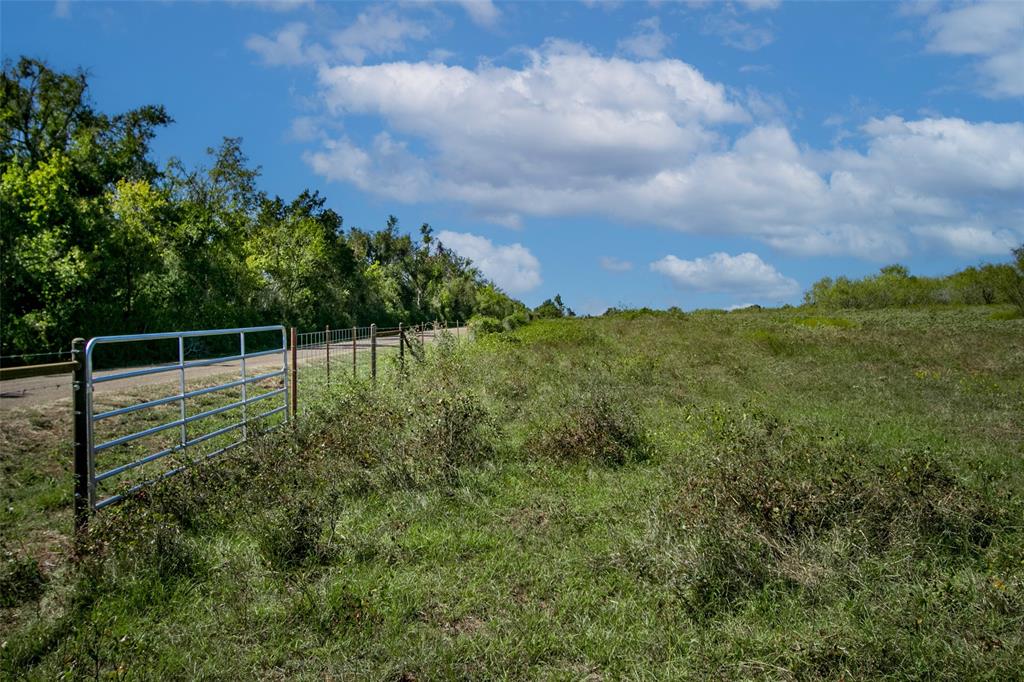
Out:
{"x": 98, "y": 238}
{"x": 894, "y": 286}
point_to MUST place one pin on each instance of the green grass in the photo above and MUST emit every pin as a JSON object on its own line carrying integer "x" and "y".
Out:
{"x": 763, "y": 494}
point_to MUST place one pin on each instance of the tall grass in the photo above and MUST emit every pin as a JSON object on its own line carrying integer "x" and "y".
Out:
{"x": 742, "y": 495}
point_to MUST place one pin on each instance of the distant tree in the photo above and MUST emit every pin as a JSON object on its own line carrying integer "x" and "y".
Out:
{"x": 1012, "y": 281}
{"x": 553, "y": 308}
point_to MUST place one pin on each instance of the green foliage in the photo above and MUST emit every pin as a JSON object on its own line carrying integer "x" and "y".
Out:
{"x": 96, "y": 239}
{"x": 568, "y": 500}
{"x": 592, "y": 426}
{"x": 819, "y": 321}
{"x": 553, "y": 309}
{"x": 894, "y": 286}
{"x": 482, "y": 325}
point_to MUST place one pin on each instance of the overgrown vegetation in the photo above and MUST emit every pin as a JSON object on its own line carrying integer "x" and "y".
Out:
{"x": 894, "y": 286}
{"x": 759, "y": 494}
{"x": 96, "y": 238}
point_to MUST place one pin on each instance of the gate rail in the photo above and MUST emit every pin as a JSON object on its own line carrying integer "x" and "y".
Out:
{"x": 86, "y": 448}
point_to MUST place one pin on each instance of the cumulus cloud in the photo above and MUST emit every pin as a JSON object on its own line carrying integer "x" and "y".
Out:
{"x": 647, "y": 41}
{"x": 969, "y": 240}
{"x": 512, "y": 267}
{"x": 654, "y": 142}
{"x": 745, "y": 273}
{"x": 993, "y": 32}
{"x": 612, "y": 264}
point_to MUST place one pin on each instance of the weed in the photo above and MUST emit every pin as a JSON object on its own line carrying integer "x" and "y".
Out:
{"x": 593, "y": 427}
{"x": 21, "y": 580}
{"x": 290, "y": 534}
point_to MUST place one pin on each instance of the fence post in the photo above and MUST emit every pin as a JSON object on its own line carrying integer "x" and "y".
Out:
{"x": 355, "y": 332}
{"x": 295, "y": 376}
{"x": 373, "y": 352}
{"x": 327, "y": 341}
{"x": 83, "y": 484}
{"x": 401, "y": 348}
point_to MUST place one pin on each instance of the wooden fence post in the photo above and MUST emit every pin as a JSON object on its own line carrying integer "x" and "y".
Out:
{"x": 373, "y": 352}
{"x": 295, "y": 376}
{"x": 327, "y": 343}
{"x": 83, "y": 503}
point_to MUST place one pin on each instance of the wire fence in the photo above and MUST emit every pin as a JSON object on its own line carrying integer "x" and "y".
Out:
{"x": 333, "y": 355}
{"x": 143, "y": 423}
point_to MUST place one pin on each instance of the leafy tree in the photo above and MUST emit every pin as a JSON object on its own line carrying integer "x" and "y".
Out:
{"x": 553, "y": 308}
{"x": 96, "y": 238}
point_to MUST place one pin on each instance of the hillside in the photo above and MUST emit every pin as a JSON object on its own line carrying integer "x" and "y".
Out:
{"x": 755, "y": 494}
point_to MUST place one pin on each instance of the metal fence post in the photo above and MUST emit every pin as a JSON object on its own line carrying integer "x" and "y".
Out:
{"x": 373, "y": 352}
{"x": 295, "y": 376}
{"x": 83, "y": 503}
{"x": 327, "y": 341}
{"x": 401, "y": 348}
{"x": 355, "y": 349}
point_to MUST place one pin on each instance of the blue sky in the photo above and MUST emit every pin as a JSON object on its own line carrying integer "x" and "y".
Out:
{"x": 623, "y": 154}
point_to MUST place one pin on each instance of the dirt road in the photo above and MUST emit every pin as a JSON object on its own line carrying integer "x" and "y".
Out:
{"x": 43, "y": 390}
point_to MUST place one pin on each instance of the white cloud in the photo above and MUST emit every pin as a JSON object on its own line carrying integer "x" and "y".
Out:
{"x": 564, "y": 120}
{"x": 378, "y": 31}
{"x": 745, "y": 273}
{"x": 647, "y": 41}
{"x": 612, "y": 264}
{"x": 62, "y": 9}
{"x": 990, "y": 31}
{"x": 482, "y": 12}
{"x": 646, "y": 142}
{"x": 285, "y": 48}
{"x": 969, "y": 240}
{"x": 511, "y": 267}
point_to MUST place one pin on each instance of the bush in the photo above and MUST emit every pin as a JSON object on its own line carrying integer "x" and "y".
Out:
{"x": 593, "y": 427}
{"x": 480, "y": 326}
{"x": 290, "y": 534}
{"x": 766, "y": 505}
{"x": 516, "y": 320}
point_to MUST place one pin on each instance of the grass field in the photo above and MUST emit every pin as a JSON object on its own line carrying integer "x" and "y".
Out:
{"x": 757, "y": 494}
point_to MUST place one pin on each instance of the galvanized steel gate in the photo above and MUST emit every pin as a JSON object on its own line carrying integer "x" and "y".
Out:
{"x": 86, "y": 449}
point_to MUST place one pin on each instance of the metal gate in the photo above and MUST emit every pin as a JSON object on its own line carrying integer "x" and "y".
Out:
{"x": 89, "y": 471}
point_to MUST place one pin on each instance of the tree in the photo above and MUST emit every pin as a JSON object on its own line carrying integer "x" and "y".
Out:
{"x": 553, "y": 308}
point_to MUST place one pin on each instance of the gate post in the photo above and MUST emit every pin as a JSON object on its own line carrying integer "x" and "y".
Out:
{"x": 401, "y": 348}
{"x": 327, "y": 341}
{"x": 373, "y": 352}
{"x": 83, "y": 482}
{"x": 295, "y": 376}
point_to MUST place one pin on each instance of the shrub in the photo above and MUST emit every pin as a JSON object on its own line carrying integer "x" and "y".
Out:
{"x": 593, "y": 427}
{"x": 480, "y": 326}
{"x": 290, "y": 534}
